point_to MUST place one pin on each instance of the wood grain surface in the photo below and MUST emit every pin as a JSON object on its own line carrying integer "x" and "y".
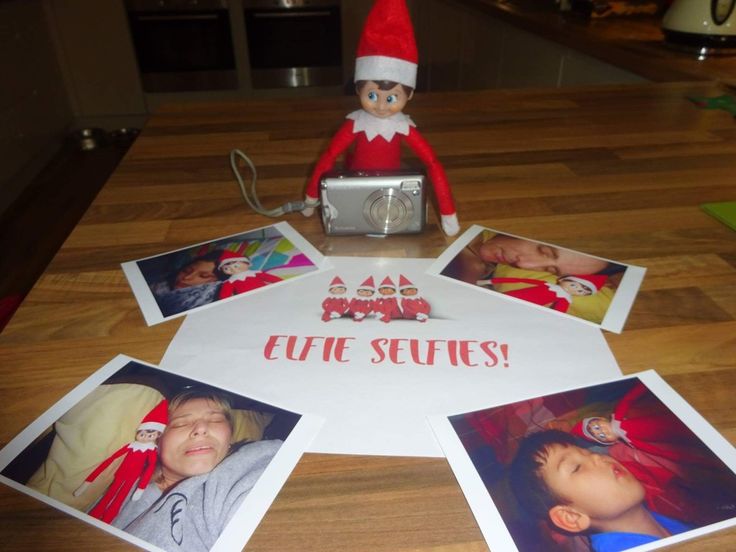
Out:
{"x": 614, "y": 171}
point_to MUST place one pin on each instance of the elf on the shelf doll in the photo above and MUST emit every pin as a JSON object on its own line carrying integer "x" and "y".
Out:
{"x": 386, "y": 305}
{"x": 385, "y": 78}
{"x": 363, "y": 303}
{"x": 413, "y": 307}
{"x": 240, "y": 278}
{"x": 336, "y": 305}
{"x": 655, "y": 431}
{"x": 139, "y": 462}
{"x": 557, "y": 296}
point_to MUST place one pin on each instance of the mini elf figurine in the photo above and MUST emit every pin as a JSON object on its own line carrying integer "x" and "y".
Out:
{"x": 139, "y": 462}
{"x": 363, "y": 303}
{"x": 387, "y": 305}
{"x": 413, "y": 307}
{"x": 336, "y": 305}
{"x": 556, "y": 296}
{"x": 240, "y": 277}
{"x": 385, "y": 78}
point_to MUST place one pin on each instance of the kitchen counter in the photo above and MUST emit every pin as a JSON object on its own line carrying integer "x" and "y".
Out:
{"x": 615, "y": 171}
{"x": 634, "y": 43}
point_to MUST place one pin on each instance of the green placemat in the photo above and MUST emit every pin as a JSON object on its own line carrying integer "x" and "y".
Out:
{"x": 725, "y": 211}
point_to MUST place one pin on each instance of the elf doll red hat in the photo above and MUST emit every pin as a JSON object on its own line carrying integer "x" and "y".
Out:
{"x": 336, "y": 282}
{"x": 231, "y": 257}
{"x": 387, "y": 282}
{"x": 367, "y": 284}
{"x": 405, "y": 283}
{"x": 156, "y": 419}
{"x": 387, "y": 49}
{"x": 594, "y": 282}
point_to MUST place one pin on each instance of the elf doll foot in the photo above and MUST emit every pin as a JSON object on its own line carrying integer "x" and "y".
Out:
{"x": 450, "y": 224}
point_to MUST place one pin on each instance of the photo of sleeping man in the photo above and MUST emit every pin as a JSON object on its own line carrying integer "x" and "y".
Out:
{"x": 604, "y": 468}
{"x": 203, "y": 274}
{"x": 553, "y": 277}
{"x": 163, "y": 458}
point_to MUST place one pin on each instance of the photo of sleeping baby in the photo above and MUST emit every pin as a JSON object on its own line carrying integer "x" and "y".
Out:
{"x": 542, "y": 274}
{"x": 165, "y": 459}
{"x": 599, "y": 469}
{"x": 178, "y": 282}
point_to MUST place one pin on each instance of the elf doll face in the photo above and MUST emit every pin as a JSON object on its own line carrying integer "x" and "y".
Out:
{"x": 386, "y": 290}
{"x": 573, "y": 288}
{"x": 408, "y": 292}
{"x": 235, "y": 267}
{"x": 383, "y": 103}
{"x": 601, "y": 429}
{"x": 364, "y": 292}
{"x": 147, "y": 435}
{"x": 338, "y": 290}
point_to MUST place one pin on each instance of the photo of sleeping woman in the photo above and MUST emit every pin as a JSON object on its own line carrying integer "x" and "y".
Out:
{"x": 163, "y": 458}
{"x": 203, "y": 274}
{"x": 603, "y": 468}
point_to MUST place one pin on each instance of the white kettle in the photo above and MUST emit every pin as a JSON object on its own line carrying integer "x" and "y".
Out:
{"x": 701, "y": 23}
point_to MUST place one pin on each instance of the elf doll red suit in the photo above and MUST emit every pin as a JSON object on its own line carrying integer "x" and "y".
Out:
{"x": 556, "y": 296}
{"x": 240, "y": 277}
{"x": 363, "y": 303}
{"x": 139, "y": 461}
{"x": 413, "y": 307}
{"x": 386, "y": 305}
{"x": 336, "y": 305}
{"x": 385, "y": 78}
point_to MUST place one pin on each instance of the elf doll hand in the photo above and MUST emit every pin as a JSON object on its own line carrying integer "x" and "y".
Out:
{"x": 311, "y": 203}
{"x": 79, "y": 490}
{"x": 137, "y": 494}
{"x": 450, "y": 224}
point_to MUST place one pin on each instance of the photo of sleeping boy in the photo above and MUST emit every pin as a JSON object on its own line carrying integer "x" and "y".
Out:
{"x": 640, "y": 474}
{"x": 189, "y": 278}
{"x": 163, "y": 458}
{"x": 546, "y": 275}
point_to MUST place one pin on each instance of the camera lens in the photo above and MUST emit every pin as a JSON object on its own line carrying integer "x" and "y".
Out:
{"x": 388, "y": 210}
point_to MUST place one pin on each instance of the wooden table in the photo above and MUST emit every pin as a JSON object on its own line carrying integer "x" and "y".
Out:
{"x": 612, "y": 171}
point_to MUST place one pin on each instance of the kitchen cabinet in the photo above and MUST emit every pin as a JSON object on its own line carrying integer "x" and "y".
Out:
{"x": 34, "y": 108}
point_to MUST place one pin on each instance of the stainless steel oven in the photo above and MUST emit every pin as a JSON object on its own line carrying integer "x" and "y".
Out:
{"x": 183, "y": 45}
{"x": 294, "y": 43}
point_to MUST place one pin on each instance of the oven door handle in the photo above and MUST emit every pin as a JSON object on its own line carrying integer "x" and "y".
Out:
{"x": 199, "y": 17}
{"x": 279, "y": 15}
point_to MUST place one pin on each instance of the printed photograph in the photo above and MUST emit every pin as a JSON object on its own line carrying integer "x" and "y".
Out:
{"x": 164, "y": 460}
{"x": 178, "y": 282}
{"x": 604, "y": 468}
{"x": 547, "y": 276}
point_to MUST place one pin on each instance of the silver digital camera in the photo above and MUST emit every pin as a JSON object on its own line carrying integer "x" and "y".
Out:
{"x": 373, "y": 202}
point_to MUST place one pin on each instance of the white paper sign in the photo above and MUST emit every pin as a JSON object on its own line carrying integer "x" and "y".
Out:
{"x": 374, "y": 382}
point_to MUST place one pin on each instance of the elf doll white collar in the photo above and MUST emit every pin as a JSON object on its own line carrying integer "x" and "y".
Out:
{"x": 375, "y": 126}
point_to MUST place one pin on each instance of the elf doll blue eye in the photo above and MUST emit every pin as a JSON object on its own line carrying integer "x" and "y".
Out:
{"x": 392, "y": 99}
{"x": 372, "y": 96}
